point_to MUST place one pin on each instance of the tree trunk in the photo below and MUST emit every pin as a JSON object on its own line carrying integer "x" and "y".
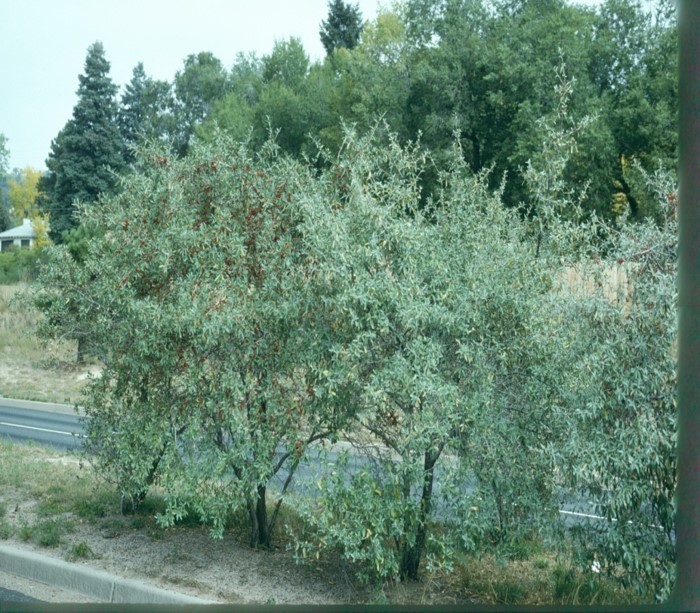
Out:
{"x": 259, "y": 527}
{"x": 634, "y": 205}
{"x": 261, "y": 511}
{"x": 80, "y": 357}
{"x": 138, "y": 497}
{"x": 411, "y": 554}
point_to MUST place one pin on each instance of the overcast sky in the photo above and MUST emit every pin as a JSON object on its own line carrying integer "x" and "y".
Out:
{"x": 43, "y": 44}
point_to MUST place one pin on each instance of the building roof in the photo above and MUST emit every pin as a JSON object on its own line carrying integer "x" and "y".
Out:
{"x": 24, "y": 231}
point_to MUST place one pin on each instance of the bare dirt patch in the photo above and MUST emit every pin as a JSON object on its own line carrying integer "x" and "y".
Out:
{"x": 181, "y": 559}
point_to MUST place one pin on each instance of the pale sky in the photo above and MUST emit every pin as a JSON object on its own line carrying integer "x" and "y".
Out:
{"x": 43, "y": 44}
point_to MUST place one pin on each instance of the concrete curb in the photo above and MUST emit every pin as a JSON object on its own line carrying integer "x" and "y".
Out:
{"x": 93, "y": 583}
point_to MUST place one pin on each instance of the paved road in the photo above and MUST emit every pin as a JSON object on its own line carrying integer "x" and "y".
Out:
{"x": 574, "y": 511}
{"x": 60, "y": 427}
{"x": 14, "y": 596}
{"x": 54, "y": 425}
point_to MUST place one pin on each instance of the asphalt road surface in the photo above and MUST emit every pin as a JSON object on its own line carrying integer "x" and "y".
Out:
{"x": 13, "y": 596}
{"x": 62, "y": 430}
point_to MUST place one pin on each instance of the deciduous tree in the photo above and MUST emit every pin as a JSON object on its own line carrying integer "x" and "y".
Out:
{"x": 432, "y": 350}
{"x": 202, "y": 81}
{"x": 23, "y": 193}
{"x": 478, "y": 360}
{"x": 193, "y": 297}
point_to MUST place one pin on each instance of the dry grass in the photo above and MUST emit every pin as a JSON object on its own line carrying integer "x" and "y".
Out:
{"x": 48, "y": 500}
{"x": 30, "y": 369}
{"x": 49, "y": 503}
{"x": 543, "y": 579}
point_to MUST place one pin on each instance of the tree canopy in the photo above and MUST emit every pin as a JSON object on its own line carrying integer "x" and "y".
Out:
{"x": 145, "y": 111}
{"x": 480, "y": 69}
{"x": 247, "y": 307}
{"x": 22, "y": 193}
{"x": 445, "y": 254}
{"x": 5, "y": 219}
{"x": 342, "y": 28}
{"x": 4, "y": 156}
{"x": 87, "y": 153}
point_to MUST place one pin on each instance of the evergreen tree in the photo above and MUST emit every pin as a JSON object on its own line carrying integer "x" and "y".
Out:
{"x": 343, "y": 26}
{"x": 130, "y": 114}
{"x": 4, "y": 156}
{"x": 88, "y": 151}
{"x": 146, "y": 110}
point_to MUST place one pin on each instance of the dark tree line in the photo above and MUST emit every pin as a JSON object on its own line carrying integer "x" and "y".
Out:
{"x": 482, "y": 70}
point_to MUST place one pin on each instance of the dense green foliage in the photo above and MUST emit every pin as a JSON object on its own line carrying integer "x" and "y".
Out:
{"x": 621, "y": 452}
{"x": 17, "y": 265}
{"x": 4, "y": 155}
{"x": 145, "y": 111}
{"x": 475, "y": 292}
{"x": 244, "y": 308}
{"x": 209, "y": 317}
{"x": 441, "y": 333}
{"x": 5, "y": 216}
{"x": 482, "y": 70}
{"x": 202, "y": 81}
{"x": 88, "y": 151}
{"x": 343, "y": 27}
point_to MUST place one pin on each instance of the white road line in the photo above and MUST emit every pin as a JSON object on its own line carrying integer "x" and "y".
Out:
{"x": 613, "y": 519}
{"x": 5, "y": 423}
{"x": 577, "y": 514}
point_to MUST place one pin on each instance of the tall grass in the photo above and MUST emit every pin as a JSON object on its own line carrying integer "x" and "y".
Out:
{"x": 16, "y": 324}
{"x": 30, "y": 369}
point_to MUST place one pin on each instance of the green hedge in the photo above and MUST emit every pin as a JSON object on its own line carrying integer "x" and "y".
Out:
{"x": 19, "y": 264}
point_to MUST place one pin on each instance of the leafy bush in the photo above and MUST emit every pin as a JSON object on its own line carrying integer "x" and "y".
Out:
{"x": 188, "y": 290}
{"x": 435, "y": 355}
{"x": 81, "y": 551}
{"x": 46, "y": 533}
{"x": 621, "y": 454}
{"x": 18, "y": 265}
{"x": 484, "y": 364}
